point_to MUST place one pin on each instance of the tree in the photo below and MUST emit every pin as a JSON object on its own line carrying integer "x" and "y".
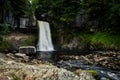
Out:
{"x": 4, "y": 7}
{"x": 32, "y": 6}
{"x": 18, "y": 7}
{"x": 106, "y": 11}
{"x": 62, "y": 12}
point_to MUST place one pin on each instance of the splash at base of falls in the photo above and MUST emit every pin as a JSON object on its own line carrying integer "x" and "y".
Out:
{"x": 44, "y": 41}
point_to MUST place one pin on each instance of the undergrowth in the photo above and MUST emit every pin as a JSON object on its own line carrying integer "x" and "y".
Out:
{"x": 29, "y": 41}
{"x": 100, "y": 40}
{"x": 3, "y": 44}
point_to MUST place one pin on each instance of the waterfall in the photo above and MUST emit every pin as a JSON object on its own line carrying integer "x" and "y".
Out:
{"x": 44, "y": 41}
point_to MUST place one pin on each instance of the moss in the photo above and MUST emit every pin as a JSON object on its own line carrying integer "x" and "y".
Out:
{"x": 15, "y": 77}
{"x": 4, "y": 45}
{"x": 93, "y": 72}
{"x": 85, "y": 38}
{"x": 100, "y": 40}
{"x": 29, "y": 41}
{"x": 5, "y": 29}
{"x": 107, "y": 79}
{"x": 106, "y": 40}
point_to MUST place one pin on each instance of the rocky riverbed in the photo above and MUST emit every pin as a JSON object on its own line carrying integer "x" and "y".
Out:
{"x": 105, "y": 64}
{"x": 107, "y": 59}
{"x": 70, "y": 67}
{"x": 20, "y": 67}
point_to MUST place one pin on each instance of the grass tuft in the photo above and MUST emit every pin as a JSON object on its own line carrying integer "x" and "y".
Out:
{"x": 101, "y": 40}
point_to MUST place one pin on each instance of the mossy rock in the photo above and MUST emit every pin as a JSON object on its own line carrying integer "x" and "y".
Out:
{"x": 93, "y": 72}
{"x": 83, "y": 73}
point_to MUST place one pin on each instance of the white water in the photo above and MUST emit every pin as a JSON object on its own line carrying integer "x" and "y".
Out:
{"x": 44, "y": 41}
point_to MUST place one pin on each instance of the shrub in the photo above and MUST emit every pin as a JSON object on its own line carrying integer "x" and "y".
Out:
{"x": 4, "y": 45}
{"x": 5, "y": 29}
{"x": 29, "y": 41}
{"x": 100, "y": 40}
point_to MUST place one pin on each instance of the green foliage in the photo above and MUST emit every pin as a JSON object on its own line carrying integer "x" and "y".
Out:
{"x": 106, "y": 40}
{"x": 29, "y": 41}
{"x": 32, "y": 6}
{"x": 106, "y": 11}
{"x": 85, "y": 38}
{"x": 4, "y": 7}
{"x": 94, "y": 8}
{"x": 107, "y": 79}
{"x": 100, "y": 40}
{"x": 61, "y": 11}
{"x": 111, "y": 18}
{"x": 3, "y": 44}
{"x": 15, "y": 77}
{"x": 5, "y": 29}
{"x": 68, "y": 34}
{"x": 18, "y": 7}
{"x": 93, "y": 72}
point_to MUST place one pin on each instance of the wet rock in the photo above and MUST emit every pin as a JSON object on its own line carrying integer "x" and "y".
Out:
{"x": 47, "y": 56}
{"x": 108, "y": 59}
{"x": 103, "y": 78}
{"x": 14, "y": 51}
{"x": 99, "y": 71}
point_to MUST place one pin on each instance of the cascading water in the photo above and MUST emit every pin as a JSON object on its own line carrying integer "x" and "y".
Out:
{"x": 44, "y": 41}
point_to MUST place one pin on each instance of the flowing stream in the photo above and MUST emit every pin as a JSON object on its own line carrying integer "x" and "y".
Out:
{"x": 103, "y": 73}
{"x": 73, "y": 61}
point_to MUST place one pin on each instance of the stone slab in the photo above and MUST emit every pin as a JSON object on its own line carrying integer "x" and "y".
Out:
{"x": 27, "y": 49}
